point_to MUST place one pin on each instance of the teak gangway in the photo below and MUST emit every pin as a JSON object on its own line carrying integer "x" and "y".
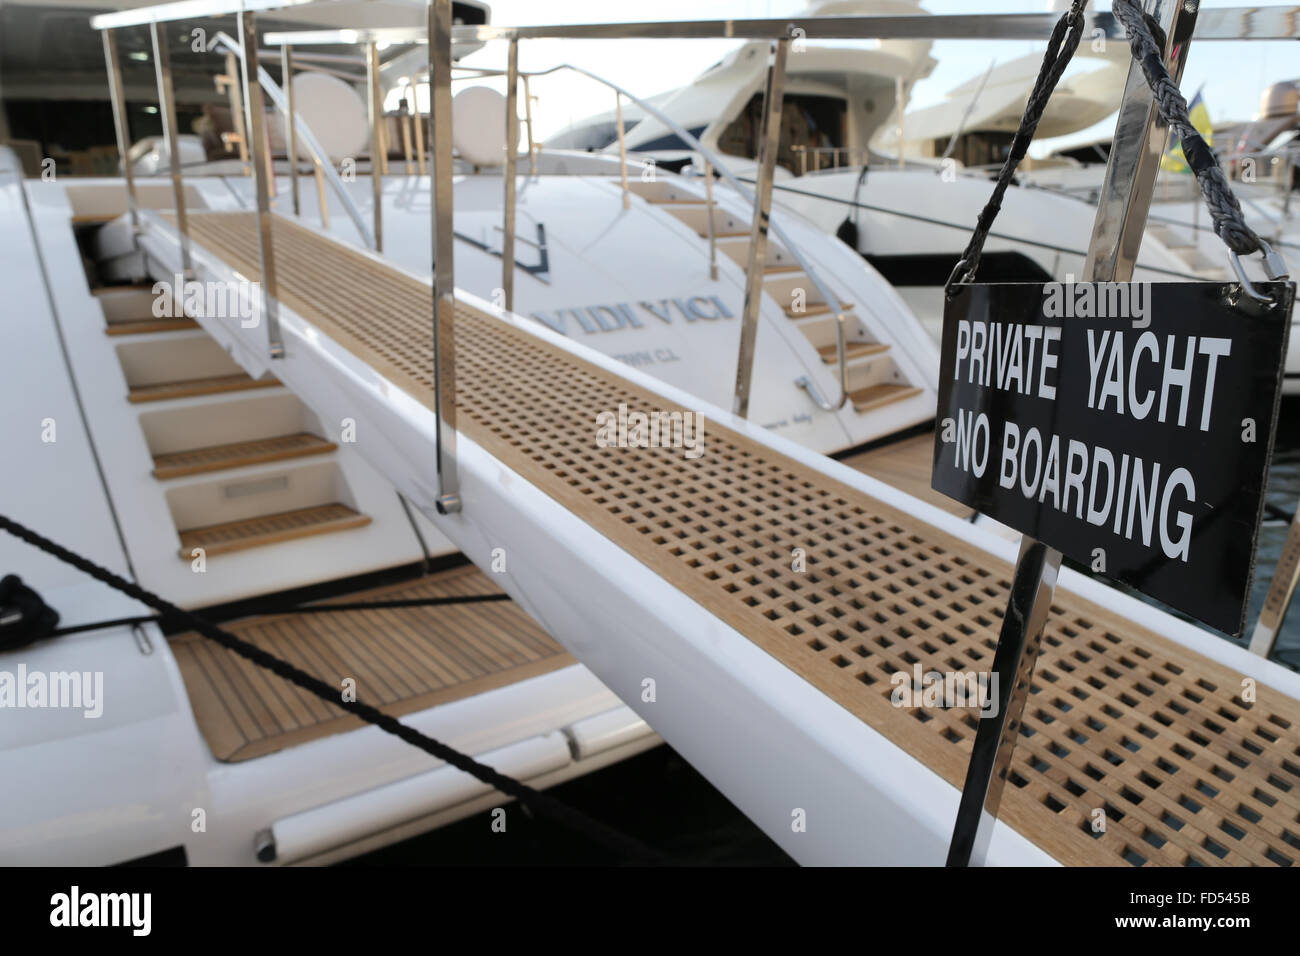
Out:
{"x": 1119, "y": 718}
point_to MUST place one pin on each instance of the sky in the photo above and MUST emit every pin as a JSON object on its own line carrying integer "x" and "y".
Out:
{"x": 1233, "y": 73}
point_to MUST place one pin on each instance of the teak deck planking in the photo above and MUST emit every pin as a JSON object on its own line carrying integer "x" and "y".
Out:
{"x": 1119, "y": 717}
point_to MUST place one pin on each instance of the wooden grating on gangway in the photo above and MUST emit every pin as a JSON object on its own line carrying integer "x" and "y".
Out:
{"x": 402, "y": 659}
{"x": 1121, "y": 719}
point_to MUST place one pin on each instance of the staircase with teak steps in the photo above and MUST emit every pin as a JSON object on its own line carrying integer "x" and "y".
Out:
{"x": 874, "y": 380}
{"x": 221, "y": 435}
{"x": 239, "y": 454}
{"x": 230, "y": 536}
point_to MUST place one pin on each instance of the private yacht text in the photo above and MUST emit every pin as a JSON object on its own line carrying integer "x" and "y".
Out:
{"x": 70, "y": 690}
{"x": 1170, "y": 382}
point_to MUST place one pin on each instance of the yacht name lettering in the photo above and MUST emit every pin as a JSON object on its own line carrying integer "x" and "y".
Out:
{"x": 592, "y": 319}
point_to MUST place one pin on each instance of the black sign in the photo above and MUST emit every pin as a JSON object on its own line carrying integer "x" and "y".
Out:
{"x": 1127, "y": 425}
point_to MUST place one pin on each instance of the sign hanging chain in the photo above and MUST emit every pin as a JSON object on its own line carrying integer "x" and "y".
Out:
{"x": 1060, "y": 50}
{"x": 1225, "y": 210}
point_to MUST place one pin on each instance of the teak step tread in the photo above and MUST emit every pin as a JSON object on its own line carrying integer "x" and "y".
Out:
{"x": 402, "y": 659}
{"x": 140, "y": 326}
{"x": 198, "y": 386}
{"x": 852, "y": 350}
{"x": 876, "y": 396}
{"x": 270, "y": 529}
{"x": 1123, "y": 717}
{"x": 238, "y": 454}
{"x": 778, "y": 268}
{"x": 128, "y": 287}
{"x": 817, "y": 308}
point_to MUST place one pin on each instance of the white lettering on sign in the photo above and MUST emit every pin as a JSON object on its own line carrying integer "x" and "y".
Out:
{"x": 1012, "y": 358}
{"x": 1176, "y": 362}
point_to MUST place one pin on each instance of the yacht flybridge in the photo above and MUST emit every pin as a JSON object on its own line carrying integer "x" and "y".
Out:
{"x": 240, "y": 416}
{"x": 903, "y": 186}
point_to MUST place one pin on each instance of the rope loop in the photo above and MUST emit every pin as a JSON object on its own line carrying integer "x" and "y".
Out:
{"x": 1060, "y": 50}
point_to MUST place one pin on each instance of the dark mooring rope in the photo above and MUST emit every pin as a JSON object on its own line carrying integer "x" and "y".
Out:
{"x": 570, "y": 817}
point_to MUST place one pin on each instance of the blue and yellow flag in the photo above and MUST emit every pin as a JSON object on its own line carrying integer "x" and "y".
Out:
{"x": 1174, "y": 161}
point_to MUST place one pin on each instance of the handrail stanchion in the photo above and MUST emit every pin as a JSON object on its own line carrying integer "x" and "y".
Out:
{"x": 291, "y": 134}
{"x": 376, "y": 141}
{"x": 708, "y": 216}
{"x": 444, "y": 292}
{"x": 407, "y": 157}
{"x": 318, "y": 172}
{"x": 1117, "y": 233}
{"x": 773, "y": 98}
{"x": 512, "y": 155}
{"x": 418, "y": 119}
{"x": 167, "y": 113}
{"x": 899, "y": 93}
{"x": 260, "y": 153}
{"x": 324, "y": 167}
{"x": 528, "y": 125}
{"x": 121, "y": 128}
{"x": 237, "y": 108}
{"x": 622, "y": 149}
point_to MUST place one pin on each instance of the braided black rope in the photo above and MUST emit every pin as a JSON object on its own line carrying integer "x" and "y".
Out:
{"x": 1060, "y": 50}
{"x": 397, "y": 603}
{"x": 561, "y": 813}
{"x": 1225, "y": 210}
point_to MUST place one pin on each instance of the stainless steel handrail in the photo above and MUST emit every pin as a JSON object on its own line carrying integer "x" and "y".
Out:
{"x": 711, "y": 159}
{"x": 714, "y": 160}
{"x": 304, "y": 134}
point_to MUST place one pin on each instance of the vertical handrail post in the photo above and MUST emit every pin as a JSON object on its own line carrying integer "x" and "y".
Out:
{"x": 418, "y": 120}
{"x": 322, "y": 199}
{"x": 900, "y": 92}
{"x": 444, "y": 292}
{"x": 260, "y": 153}
{"x": 708, "y": 215}
{"x": 528, "y": 125}
{"x": 375, "y": 99}
{"x": 167, "y": 113}
{"x": 769, "y": 140}
{"x": 622, "y": 149}
{"x": 290, "y": 127}
{"x": 1121, "y": 219}
{"x": 122, "y": 129}
{"x": 237, "y": 109}
{"x": 512, "y": 155}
